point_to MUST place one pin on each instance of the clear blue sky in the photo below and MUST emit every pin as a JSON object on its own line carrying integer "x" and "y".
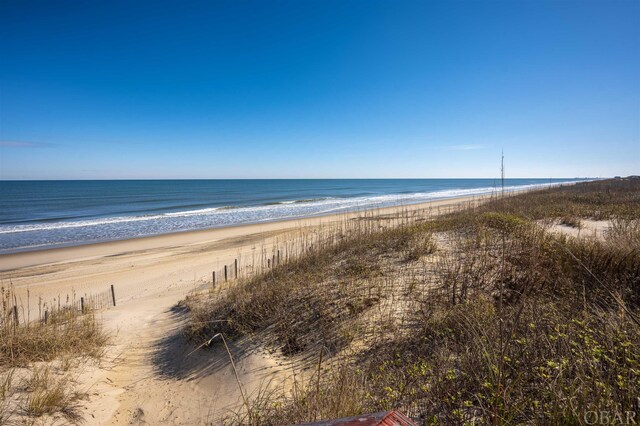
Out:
{"x": 306, "y": 89}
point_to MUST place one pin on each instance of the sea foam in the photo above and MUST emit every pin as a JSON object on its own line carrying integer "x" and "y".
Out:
{"x": 51, "y": 233}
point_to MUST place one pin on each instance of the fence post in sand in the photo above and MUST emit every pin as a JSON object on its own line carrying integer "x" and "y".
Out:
{"x": 82, "y": 304}
{"x": 235, "y": 265}
{"x": 46, "y": 317}
{"x": 15, "y": 314}
{"x": 268, "y": 263}
{"x": 225, "y": 273}
{"x": 213, "y": 279}
{"x": 278, "y": 257}
{"x": 273, "y": 261}
{"x": 113, "y": 295}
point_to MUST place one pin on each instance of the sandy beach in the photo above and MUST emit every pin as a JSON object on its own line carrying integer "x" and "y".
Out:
{"x": 301, "y": 212}
{"x": 151, "y": 275}
{"x": 193, "y": 241}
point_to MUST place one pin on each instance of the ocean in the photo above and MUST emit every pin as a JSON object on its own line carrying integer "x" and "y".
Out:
{"x": 42, "y": 214}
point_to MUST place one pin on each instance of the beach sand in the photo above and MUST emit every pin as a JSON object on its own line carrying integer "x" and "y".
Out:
{"x": 146, "y": 375}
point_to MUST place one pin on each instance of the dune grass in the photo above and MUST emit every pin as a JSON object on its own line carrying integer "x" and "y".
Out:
{"x": 311, "y": 302}
{"x": 51, "y": 393}
{"x": 598, "y": 200}
{"x": 478, "y": 316}
{"x": 31, "y": 347}
{"x": 67, "y": 331}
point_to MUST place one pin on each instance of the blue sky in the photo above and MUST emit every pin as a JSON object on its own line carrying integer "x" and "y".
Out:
{"x": 306, "y": 89}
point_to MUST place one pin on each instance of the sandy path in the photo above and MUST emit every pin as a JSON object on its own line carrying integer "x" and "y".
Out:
{"x": 146, "y": 376}
{"x": 150, "y": 377}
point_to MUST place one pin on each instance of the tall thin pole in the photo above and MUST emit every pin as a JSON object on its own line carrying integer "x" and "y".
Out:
{"x": 504, "y": 244}
{"x": 502, "y": 172}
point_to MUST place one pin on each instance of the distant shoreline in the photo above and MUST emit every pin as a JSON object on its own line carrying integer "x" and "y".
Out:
{"x": 16, "y": 260}
{"x": 113, "y": 214}
{"x": 26, "y": 258}
{"x": 412, "y": 206}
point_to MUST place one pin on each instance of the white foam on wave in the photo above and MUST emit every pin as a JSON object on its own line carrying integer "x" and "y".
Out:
{"x": 225, "y": 216}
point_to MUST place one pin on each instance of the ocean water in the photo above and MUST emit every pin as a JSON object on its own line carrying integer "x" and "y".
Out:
{"x": 41, "y": 214}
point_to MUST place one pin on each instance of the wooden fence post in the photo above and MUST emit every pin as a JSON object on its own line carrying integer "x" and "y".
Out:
{"x": 82, "y": 304}
{"x": 278, "y": 257}
{"x": 235, "y": 263}
{"x": 213, "y": 279}
{"x": 113, "y": 295}
{"x": 46, "y": 317}
{"x": 225, "y": 273}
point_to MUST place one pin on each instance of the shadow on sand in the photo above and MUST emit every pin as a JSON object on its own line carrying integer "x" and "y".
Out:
{"x": 178, "y": 358}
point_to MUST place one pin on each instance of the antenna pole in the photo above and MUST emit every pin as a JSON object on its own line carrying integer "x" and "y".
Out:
{"x": 502, "y": 172}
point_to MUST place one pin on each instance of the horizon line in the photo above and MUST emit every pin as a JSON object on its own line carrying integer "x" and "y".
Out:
{"x": 339, "y": 178}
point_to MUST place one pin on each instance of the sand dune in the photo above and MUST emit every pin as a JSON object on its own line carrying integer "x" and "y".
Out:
{"x": 146, "y": 376}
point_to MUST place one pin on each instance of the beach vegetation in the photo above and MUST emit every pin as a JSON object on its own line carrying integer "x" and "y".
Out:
{"x": 66, "y": 332}
{"x": 50, "y": 393}
{"x": 480, "y": 315}
{"x": 36, "y": 356}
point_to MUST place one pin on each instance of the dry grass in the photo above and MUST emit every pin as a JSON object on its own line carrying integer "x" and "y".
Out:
{"x": 504, "y": 323}
{"x": 32, "y": 345}
{"x": 66, "y": 332}
{"x": 299, "y": 307}
{"x": 624, "y": 233}
{"x": 6, "y": 388}
{"x": 599, "y": 200}
{"x": 571, "y": 221}
{"x": 50, "y": 394}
